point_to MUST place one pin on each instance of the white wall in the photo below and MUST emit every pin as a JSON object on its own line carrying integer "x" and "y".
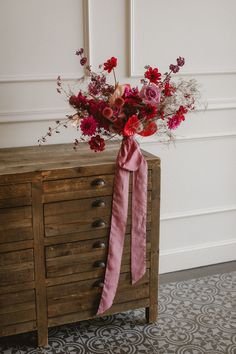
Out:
{"x": 38, "y": 41}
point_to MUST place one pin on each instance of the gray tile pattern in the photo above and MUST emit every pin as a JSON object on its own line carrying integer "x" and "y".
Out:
{"x": 196, "y": 316}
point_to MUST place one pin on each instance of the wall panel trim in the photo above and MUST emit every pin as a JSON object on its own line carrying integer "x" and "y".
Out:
{"x": 197, "y": 213}
{"x": 134, "y": 74}
{"x": 197, "y": 255}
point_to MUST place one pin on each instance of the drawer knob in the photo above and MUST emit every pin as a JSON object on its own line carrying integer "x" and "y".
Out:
{"x": 98, "y": 182}
{"x": 99, "y": 223}
{"x": 99, "y": 264}
{"x": 98, "y": 284}
{"x": 99, "y": 244}
{"x": 99, "y": 203}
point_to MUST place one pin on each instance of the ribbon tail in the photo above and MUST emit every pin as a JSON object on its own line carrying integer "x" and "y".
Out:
{"x": 139, "y": 212}
{"x": 116, "y": 240}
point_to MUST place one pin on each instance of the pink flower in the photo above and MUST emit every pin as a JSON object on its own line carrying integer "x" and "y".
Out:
{"x": 88, "y": 126}
{"x": 150, "y": 94}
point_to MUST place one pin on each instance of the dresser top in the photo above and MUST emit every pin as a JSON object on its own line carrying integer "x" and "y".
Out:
{"x": 55, "y": 157}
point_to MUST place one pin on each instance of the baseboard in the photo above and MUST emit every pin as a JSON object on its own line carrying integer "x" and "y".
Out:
{"x": 197, "y": 256}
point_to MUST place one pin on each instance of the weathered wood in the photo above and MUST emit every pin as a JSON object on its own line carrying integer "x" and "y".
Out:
{"x": 89, "y": 314}
{"x": 151, "y": 312}
{"x": 40, "y": 285}
{"x": 18, "y": 328}
{"x": 55, "y": 207}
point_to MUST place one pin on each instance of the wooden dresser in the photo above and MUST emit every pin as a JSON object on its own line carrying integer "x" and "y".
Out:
{"x": 55, "y": 209}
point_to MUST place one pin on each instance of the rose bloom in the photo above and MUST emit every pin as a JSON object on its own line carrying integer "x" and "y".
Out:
{"x": 150, "y": 94}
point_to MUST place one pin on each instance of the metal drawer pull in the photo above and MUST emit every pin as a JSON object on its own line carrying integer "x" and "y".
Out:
{"x": 99, "y": 264}
{"x": 99, "y": 223}
{"x": 99, "y": 182}
{"x": 98, "y": 284}
{"x": 99, "y": 203}
{"x": 99, "y": 244}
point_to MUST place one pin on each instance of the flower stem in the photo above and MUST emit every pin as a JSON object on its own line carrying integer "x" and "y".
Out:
{"x": 114, "y": 76}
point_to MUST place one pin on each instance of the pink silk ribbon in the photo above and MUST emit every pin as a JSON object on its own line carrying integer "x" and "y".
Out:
{"x": 129, "y": 159}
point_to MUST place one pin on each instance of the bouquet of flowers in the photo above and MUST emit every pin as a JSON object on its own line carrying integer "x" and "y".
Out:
{"x": 104, "y": 111}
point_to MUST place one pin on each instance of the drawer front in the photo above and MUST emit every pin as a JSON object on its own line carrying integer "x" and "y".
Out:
{"x": 17, "y": 312}
{"x": 81, "y": 215}
{"x": 83, "y": 256}
{"x": 83, "y": 187}
{"x": 16, "y": 267}
{"x": 15, "y": 195}
{"x": 16, "y": 224}
{"x": 85, "y": 295}
{"x": 75, "y": 188}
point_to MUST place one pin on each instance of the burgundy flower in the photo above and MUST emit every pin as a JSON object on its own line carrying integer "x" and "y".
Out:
{"x": 83, "y": 61}
{"x": 79, "y": 51}
{"x": 149, "y": 111}
{"x": 174, "y": 68}
{"x": 180, "y": 61}
{"x": 88, "y": 126}
{"x": 97, "y": 143}
{"x": 110, "y": 64}
{"x": 153, "y": 75}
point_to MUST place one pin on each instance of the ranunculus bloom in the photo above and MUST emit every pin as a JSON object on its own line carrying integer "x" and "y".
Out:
{"x": 150, "y": 94}
{"x": 110, "y": 64}
{"x": 97, "y": 143}
{"x": 107, "y": 112}
{"x": 132, "y": 126}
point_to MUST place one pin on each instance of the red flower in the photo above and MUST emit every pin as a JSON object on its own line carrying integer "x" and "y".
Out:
{"x": 132, "y": 126}
{"x": 149, "y": 111}
{"x": 153, "y": 75}
{"x": 97, "y": 143}
{"x": 150, "y": 129}
{"x": 110, "y": 64}
{"x": 88, "y": 126}
{"x": 168, "y": 89}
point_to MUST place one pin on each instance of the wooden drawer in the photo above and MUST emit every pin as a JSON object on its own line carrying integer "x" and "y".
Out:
{"x": 83, "y": 256}
{"x": 81, "y": 215}
{"x": 16, "y": 224}
{"x": 85, "y": 295}
{"x": 15, "y": 195}
{"x": 16, "y": 267}
{"x": 17, "y": 312}
{"x": 83, "y": 187}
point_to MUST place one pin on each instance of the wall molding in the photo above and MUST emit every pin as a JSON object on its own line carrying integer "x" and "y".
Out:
{"x": 55, "y": 113}
{"x": 185, "y": 139}
{"x": 196, "y": 213}
{"x": 134, "y": 74}
{"x": 7, "y": 79}
{"x": 197, "y": 255}
{"x": 39, "y": 115}
{"x": 37, "y": 78}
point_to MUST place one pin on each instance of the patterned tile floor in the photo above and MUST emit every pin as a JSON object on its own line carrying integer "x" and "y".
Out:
{"x": 195, "y": 316}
